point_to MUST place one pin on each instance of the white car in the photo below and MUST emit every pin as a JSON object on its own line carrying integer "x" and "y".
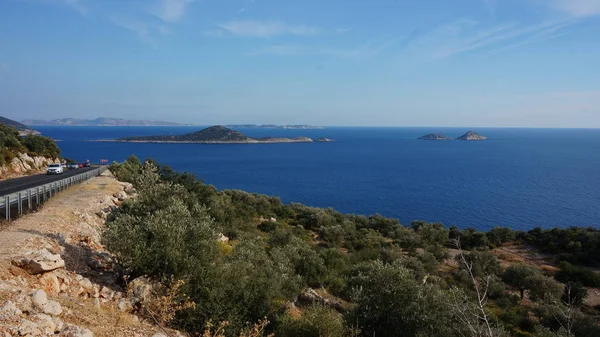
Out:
{"x": 55, "y": 169}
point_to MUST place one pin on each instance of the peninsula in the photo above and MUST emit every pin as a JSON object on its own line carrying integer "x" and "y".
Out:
{"x": 212, "y": 135}
{"x": 102, "y": 121}
{"x": 24, "y": 130}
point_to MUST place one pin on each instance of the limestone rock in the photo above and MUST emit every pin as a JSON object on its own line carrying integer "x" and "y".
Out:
{"x": 39, "y": 262}
{"x": 39, "y": 298}
{"x": 9, "y": 309}
{"x": 75, "y": 331}
{"x": 41, "y": 302}
{"x": 86, "y": 284}
{"x": 125, "y": 305}
{"x": 139, "y": 290}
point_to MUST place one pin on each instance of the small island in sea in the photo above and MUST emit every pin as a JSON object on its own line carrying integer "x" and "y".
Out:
{"x": 212, "y": 135}
{"x": 435, "y": 136}
{"x": 325, "y": 140}
{"x": 471, "y": 135}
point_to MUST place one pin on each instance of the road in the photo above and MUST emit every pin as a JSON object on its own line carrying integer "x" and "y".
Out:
{"x": 19, "y": 184}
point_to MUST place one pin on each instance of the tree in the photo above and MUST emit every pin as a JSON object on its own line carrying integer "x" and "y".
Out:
{"x": 516, "y": 275}
{"x": 544, "y": 288}
{"x": 390, "y": 302}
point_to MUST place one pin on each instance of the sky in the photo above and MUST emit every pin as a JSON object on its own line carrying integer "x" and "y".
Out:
{"x": 499, "y": 63}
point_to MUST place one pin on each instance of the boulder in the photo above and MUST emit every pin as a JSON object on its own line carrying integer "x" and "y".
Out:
{"x": 39, "y": 262}
{"x": 139, "y": 290}
{"x": 27, "y": 328}
{"x": 86, "y": 284}
{"x": 311, "y": 297}
{"x": 41, "y": 302}
{"x": 48, "y": 325}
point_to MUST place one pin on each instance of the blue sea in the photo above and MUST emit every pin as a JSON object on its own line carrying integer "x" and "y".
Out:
{"x": 520, "y": 178}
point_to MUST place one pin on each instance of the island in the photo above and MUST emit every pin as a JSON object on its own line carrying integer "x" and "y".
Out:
{"x": 217, "y": 134}
{"x": 325, "y": 140}
{"x": 471, "y": 135}
{"x": 272, "y": 126}
{"x": 435, "y": 136}
{"x": 102, "y": 121}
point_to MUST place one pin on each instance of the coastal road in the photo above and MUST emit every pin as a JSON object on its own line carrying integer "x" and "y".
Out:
{"x": 19, "y": 184}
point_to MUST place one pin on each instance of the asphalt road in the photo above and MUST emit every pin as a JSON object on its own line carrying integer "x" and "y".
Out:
{"x": 19, "y": 184}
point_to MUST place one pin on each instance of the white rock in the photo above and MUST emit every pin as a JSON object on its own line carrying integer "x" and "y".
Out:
{"x": 39, "y": 298}
{"x": 86, "y": 284}
{"x": 27, "y": 328}
{"x": 46, "y": 323}
{"x": 39, "y": 262}
{"x": 9, "y": 309}
{"x": 52, "y": 308}
{"x": 124, "y": 305}
{"x": 75, "y": 331}
{"x": 97, "y": 302}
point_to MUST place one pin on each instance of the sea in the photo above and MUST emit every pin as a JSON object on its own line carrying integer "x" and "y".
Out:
{"x": 519, "y": 178}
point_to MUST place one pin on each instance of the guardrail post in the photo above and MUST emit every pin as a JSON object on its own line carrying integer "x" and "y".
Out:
{"x": 29, "y": 199}
{"x": 20, "y": 203}
{"x": 37, "y": 195}
{"x": 7, "y": 208}
{"x": 44, "y": 195}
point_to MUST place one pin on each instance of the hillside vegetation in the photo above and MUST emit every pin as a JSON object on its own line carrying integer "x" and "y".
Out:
{"x": 12, "y": 144}
{"x": 317, "y": 272}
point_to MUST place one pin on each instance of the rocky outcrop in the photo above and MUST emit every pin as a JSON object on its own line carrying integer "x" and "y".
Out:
{"x": 311, "y": 297}
{"x": 39, "y": 262}
{"x": 435, "y": 136}
{"x": 471, "y": 135}
{"x": 23, "y": 164}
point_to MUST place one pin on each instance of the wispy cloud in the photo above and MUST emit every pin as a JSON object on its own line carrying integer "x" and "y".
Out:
{"x": 171, "y": 10}
{"x": 266, "y": 29}
{"x": 140, "y": 28}
{"x": 366, "y": 50}
{"x": 243, "y": 9}
{"x": 467, "y": 35}
{"x": 577, "y": 8}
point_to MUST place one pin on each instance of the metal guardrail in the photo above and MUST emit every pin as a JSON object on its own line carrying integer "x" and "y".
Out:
{"x": 41, "y": 193}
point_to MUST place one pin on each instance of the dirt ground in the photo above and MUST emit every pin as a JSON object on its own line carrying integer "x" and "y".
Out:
{"x": 69, "y": 224}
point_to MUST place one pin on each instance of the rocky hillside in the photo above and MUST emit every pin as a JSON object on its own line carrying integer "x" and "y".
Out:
{"x": 56, "y": 279}
{"x": 22, "y": 128}
{"x": 22, "y": 155}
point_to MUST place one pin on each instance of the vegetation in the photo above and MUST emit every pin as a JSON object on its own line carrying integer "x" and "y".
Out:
{"x": 11, "y": 145}
{"x": 13, "y": 124}
{"x": 377, "y": 277}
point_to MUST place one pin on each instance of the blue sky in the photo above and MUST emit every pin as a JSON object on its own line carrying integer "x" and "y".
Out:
{"x": 526, "y": 63}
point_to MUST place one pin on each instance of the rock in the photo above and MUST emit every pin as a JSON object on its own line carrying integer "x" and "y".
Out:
{"x": 75, "y": 331}
{"x": 223, "y": 238}
{"x": 8, "y": 310}
{"x": 39, "y": 262}
{"x": 46, "y": 324}
{"x": 52, "y": 308}
{"x": 96, "y": 302}
{"x": 139, "y": 290}
{"x": 311, "y": 297}
{"x": 125, "y": 305}
{"x": 471, "y": 135}
{"x": 50, "y": 283}
{"x": 27, "y": 328}
{"x": 39, "y": 298}
{"x": 106, "y": 293}
{"x": 86, "y": 284}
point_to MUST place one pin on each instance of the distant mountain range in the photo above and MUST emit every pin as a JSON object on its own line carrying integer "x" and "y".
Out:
{"x": 102, "y": 121}
{"x": 273, "y": 126}
{"x": 22, "y": 128}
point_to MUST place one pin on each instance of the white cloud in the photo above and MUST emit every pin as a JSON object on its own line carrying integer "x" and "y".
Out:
{"x": 171, "y": 10}
{"x": 577, "y": 8}
{"x": 265, "y": 29}
{"x": 467, "y": 35}
{"x": 140, "y": 28}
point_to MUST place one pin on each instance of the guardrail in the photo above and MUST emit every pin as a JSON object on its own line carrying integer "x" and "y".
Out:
{"x": 39, "y": 194}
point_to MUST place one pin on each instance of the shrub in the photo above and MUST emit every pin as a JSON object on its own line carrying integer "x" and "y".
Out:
{"x": 316, "y": 321}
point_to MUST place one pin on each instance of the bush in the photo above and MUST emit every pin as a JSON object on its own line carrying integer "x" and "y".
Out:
{"x": 570, "y": 273}
{"x": 316, "y": 321}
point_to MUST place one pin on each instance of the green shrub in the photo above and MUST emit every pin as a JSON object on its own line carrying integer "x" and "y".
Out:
{"x": 316, "y": 321}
